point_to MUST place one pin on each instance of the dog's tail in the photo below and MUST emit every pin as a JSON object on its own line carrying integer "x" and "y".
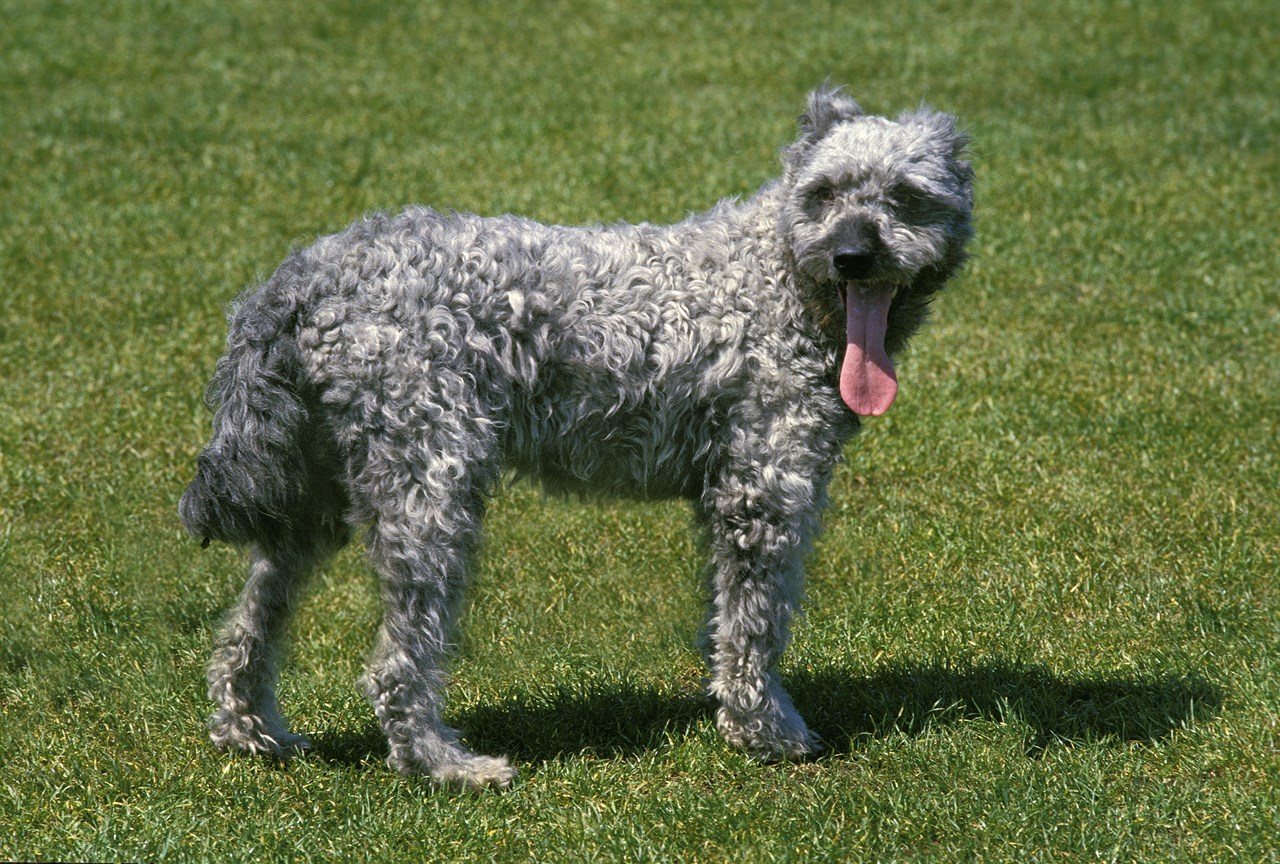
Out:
{"x": 251, "y": 476}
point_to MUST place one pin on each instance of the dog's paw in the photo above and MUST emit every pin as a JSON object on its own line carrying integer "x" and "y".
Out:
{"x": 475, "y": 773}
{"x": 253, "y": 735}
{"x": 451, "y": 766}
{"x": 774, "y": 737}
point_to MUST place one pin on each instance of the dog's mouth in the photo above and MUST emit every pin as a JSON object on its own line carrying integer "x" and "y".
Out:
{"x": 868, "y": 384}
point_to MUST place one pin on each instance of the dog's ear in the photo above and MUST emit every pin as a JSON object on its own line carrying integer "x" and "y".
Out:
{"x": 951, "y": 139}
{"x": 828, "y": 106}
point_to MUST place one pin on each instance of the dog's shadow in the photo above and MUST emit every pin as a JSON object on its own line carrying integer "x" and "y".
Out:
{"x": 910, "y": 699}
{"x": 622, "y": 719}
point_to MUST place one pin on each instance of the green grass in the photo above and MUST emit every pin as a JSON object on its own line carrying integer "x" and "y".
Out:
{"x": 1044, "y": 617}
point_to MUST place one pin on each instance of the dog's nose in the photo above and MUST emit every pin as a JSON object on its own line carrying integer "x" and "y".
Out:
{"x": 853, "y": 263}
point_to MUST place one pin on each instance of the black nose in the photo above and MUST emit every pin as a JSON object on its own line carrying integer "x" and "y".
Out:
{"x": 854, "y": 263}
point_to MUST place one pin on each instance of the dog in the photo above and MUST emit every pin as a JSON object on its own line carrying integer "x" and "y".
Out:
{"x": 389, "y": 376}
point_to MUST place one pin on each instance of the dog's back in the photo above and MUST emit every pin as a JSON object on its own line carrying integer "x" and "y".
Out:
{"x": 600, "y": 359}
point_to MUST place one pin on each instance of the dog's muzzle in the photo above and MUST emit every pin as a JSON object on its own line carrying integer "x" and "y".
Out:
{"x": 854, "y": 262}
{"x": 857, "y": 255}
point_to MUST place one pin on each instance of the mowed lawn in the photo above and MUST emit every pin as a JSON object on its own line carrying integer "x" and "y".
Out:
{"x": 1044, "y": 618}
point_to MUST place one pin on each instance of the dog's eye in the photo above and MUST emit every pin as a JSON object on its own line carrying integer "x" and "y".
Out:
{"x": 823, "y": 194}
{"x": 915, "y": 205}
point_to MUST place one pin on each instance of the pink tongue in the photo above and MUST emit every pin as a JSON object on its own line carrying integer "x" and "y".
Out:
{"x": 867, "y": 383}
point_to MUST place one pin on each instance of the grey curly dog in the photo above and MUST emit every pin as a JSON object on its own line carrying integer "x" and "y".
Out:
{"x": 387, "y": 377}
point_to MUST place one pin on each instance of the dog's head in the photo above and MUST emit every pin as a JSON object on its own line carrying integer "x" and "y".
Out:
{"x": 876, "y": 215}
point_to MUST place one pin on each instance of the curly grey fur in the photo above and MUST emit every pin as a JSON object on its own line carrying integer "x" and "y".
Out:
{"x": 387, "y": 376}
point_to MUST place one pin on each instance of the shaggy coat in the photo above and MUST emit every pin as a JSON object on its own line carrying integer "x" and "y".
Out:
{"x": 387, "y": 376}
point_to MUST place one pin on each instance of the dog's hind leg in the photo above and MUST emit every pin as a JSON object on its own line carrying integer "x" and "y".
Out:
{"x": 422, "y": 542}
{"x": 246, "y": 658}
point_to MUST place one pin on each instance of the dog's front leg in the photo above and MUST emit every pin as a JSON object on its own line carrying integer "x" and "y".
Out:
{"x": 760, "y": 523}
